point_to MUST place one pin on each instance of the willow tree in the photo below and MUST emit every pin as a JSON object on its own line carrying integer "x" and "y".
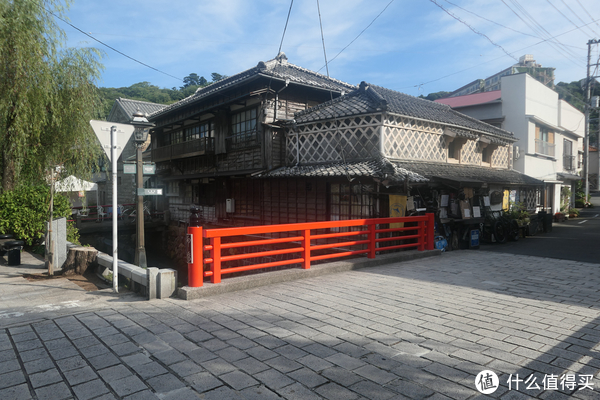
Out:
{"x": 48, "y": 95}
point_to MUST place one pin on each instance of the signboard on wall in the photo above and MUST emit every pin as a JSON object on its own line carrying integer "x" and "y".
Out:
{"x": 397, "y": 208}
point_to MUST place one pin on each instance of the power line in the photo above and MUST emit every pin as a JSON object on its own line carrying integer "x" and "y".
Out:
{"x": 495, "y": 59}
{"x": 504, "y": 26}
{"x": 564, "y": 15}
{"x": 286, "y": 25}
{"x": 587, "y": 12}
{"x": 110, "y": 47}
{"x": 473, "y": 29}
{"x": 489, "y": 20}
{"x": 363, "y": 31}
{"x": 540, "y": 30}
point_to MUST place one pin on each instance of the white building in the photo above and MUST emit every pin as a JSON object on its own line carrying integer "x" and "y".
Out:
{"x": 549, "y": 131}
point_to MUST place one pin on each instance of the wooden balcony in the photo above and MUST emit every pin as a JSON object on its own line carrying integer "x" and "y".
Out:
{"x": 192, "y": 148}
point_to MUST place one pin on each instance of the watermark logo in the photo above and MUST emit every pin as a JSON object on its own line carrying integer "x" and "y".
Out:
{"x": 487, "y": 382}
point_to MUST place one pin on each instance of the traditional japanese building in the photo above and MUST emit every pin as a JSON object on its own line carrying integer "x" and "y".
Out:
{"x": 358, "y": 155}
{"x": 208, "y": 146}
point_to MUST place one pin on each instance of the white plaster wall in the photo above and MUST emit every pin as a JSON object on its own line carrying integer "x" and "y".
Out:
{"x": 513, "y": 110}
{"x": 483, "y": 111}
{"x": 541, "y": 168}
{"x": 571, "y": 118}
{"x": 541, "y": 101}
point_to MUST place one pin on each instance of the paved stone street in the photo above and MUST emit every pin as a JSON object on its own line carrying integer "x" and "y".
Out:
{"x": 411, "y": 330}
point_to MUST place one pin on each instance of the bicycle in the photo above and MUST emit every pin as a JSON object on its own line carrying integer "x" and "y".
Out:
{"x": 500, "y": 225}
{"x": 131, "y": 217}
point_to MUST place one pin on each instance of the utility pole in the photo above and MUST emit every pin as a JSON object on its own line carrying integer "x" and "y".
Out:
{"x": 586, "y": 144}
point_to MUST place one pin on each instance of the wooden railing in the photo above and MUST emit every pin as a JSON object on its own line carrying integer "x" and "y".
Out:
{"x": 302, "y": 243}
{"x": 184, "y": 149}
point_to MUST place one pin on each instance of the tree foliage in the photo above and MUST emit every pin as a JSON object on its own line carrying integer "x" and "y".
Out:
{"x": 435, "y": 96}
{"x": 47, "y": 95}
{"x": 145, "y": 91}
{"x": 25, "y": 211}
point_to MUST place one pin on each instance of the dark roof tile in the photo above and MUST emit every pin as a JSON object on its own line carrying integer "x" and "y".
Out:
{"x": 369, "y": 99}
{"x": 458, "y": 172}
{"x": 278, "y": 68}
{"x": 378, "y": 168}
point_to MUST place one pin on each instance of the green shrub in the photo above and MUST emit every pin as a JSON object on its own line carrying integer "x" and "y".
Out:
{"x": 25, "y": 211}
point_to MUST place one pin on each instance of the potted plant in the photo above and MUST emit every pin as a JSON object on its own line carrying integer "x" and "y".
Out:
{"x": 559, "y": 217}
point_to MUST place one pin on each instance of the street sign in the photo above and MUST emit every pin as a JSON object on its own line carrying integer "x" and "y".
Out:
{"x": 149, "y": 192}
{"x": 102, "y": 130}
{"x": 148, "y": 169}
{"x": 129, "y": 168}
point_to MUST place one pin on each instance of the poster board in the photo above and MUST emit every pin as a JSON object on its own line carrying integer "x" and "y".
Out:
{"x": 397, "y": 209}
{"x": 465, "y": 209}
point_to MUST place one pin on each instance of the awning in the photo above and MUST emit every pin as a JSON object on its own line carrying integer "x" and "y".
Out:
{"x": 565, "y": 176}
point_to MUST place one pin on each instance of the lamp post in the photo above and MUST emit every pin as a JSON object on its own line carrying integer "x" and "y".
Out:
{"x": 140, "y": 135}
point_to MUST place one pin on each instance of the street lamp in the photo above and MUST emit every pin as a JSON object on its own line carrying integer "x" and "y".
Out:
{"x": 140, "y": 135}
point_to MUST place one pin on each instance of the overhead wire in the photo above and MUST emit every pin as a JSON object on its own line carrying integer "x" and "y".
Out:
{"x": 578, "y": 17}
{"x": 473, "y": 29}
{"x": 363, "y": 31}
{"x": 495, "y": 59}
{"x": 540, "y": 30}
{"x": 491, "y": 21}
{"x": 565, "y": 16}
{"x": 278, "y": 53}
{"x": 110, "y": 47}
{"x": 587, "y": 12}
{"x": 335, "y": 119}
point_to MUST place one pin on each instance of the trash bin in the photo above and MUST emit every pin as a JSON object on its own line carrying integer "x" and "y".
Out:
{"x": 13, "y": 248}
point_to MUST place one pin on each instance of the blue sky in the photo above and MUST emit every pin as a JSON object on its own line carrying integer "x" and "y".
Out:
{"x": 414, "y": 46}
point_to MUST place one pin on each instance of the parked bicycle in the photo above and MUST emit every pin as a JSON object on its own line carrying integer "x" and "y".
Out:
{"x": 500, "y": 226}
{"x": 132, "y": 213}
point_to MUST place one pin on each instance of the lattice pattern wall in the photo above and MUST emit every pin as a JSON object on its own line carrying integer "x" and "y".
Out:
{"x": 356, "y": 138}
{"x": 500, "y": 157}
{"x": 470, "y": 153}
{"x": 406, "y": 138}
{"x": 530, "y": 198}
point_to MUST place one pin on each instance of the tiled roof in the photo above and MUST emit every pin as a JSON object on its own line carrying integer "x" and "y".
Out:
{"x": 398, "y": 171}
{"x": 131, "y": 106}
{"x": 466, "y": 173}
{"x": 278, "y": 68}
{"x": 369, "y": 99}
{"x": 378, "y": 168}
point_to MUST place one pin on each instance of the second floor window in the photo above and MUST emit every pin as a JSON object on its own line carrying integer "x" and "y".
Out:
{"x": 243, "y": 129}
{"x": 544, "y": 141}
{"x": 568, "y": 157}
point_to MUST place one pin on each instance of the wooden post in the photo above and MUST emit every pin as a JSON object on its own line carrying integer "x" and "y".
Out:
{"x": 306, "y": 252}
{"x": 215, "y": 254}
{"x": 372, "y": 240}
{"x": 430, "y": 231}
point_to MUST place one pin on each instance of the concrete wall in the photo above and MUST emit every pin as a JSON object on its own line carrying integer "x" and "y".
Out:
{"x": 571, "y": 118}
{"x": 514, "y": 110}
{"x": 483, "y": 112}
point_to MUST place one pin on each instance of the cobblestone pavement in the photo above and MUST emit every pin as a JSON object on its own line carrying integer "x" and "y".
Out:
{"x": 413, "y": 330}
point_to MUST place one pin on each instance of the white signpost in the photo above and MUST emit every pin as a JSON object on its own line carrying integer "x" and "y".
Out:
{"x": 113, "y": 137}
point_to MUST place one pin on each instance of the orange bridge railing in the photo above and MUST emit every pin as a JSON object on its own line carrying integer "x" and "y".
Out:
{"x": 300, "y": 243}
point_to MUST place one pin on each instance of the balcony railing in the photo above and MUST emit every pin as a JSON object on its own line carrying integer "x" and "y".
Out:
{"x": 545, "y": 148}
{"x": 568, "y": 162}
{"x": 184, "y": 149}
